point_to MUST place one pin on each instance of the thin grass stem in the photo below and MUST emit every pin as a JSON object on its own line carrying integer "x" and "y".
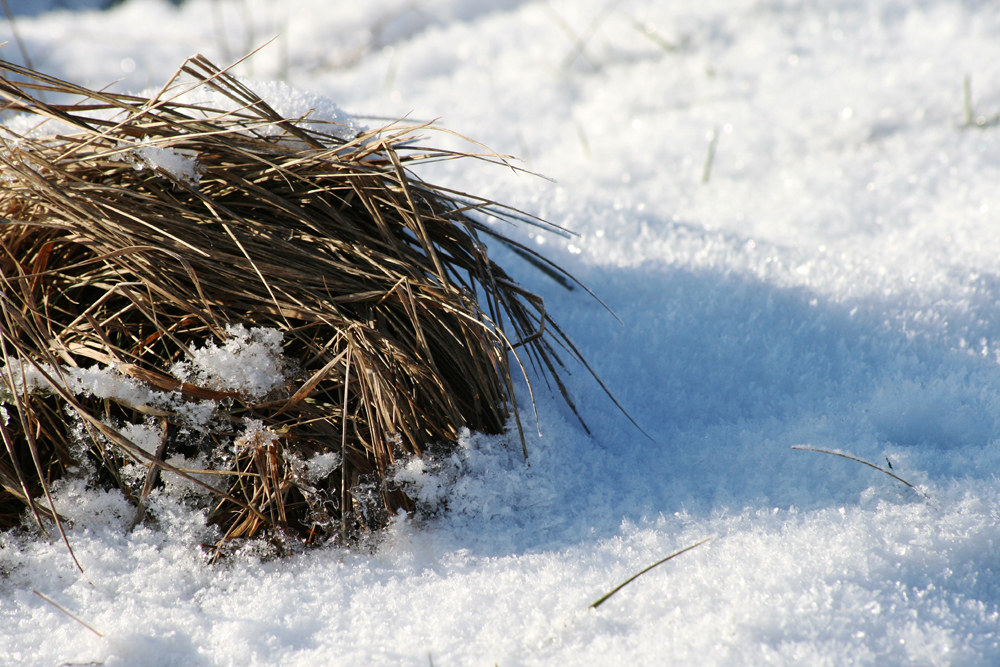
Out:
{"x": 851, "y": 457}
{"x": 67, "y": 612}
{"x": 635, "y": 576}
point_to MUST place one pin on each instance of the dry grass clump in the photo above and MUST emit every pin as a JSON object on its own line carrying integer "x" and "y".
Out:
{"x": 139, "y": 233}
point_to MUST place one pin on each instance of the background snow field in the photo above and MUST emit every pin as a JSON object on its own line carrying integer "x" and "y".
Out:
{"x": 831, "y": 279}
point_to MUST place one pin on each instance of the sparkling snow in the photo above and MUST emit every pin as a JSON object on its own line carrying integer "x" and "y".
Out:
{"x": 833, "y": 282}
{"x": 249, "y": 362}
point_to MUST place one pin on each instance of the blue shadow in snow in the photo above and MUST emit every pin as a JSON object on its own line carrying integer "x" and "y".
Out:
{"x": 726, "y": 372}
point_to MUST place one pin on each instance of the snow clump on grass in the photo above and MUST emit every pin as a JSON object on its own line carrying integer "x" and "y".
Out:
{"x": 249, "y": 362}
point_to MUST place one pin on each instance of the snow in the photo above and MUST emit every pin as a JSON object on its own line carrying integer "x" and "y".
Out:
{"x": 180, "y": 166}
{"x": 833, "y": 284}
{"x": 249, "y": 362}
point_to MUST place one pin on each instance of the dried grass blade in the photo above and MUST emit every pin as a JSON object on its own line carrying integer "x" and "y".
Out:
{"x": 343, "y": 445}
{"x": 28, "y": 432}
{"x": 635, "y": 576}
{"x": 309, "y": 385}
{"x": 851, "y": 457}
{"x": 21, "y": 479}
{"x": 67, "y": 612}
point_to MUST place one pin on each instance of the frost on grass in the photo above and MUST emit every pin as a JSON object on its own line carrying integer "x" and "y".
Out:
{"x": 249, "y": 362}
{"x": 183, "y": 166}
{"x": 99, "y": 382}
{"x": 103, "y": 382}
{"x": 320, "y": 466}
{"x": 146, "y": 435}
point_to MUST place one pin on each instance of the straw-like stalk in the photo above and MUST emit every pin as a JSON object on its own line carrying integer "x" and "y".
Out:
{"x": 398, "y": 329}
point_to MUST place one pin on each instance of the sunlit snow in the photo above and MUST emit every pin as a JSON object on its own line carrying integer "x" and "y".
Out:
{"x": 828, "y": 278}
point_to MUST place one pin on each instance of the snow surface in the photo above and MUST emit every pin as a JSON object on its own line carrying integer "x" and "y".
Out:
{"x": 833, "y": 283}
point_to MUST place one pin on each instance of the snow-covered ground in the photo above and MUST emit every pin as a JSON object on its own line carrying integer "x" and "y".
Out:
{"x": 832, "y": 283}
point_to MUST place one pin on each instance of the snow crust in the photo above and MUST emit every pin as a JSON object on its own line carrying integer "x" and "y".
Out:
{"x": 833, "y": 282}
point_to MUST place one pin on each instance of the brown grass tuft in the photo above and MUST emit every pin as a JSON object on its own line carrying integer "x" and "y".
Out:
{"x": 397, "y": 327}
